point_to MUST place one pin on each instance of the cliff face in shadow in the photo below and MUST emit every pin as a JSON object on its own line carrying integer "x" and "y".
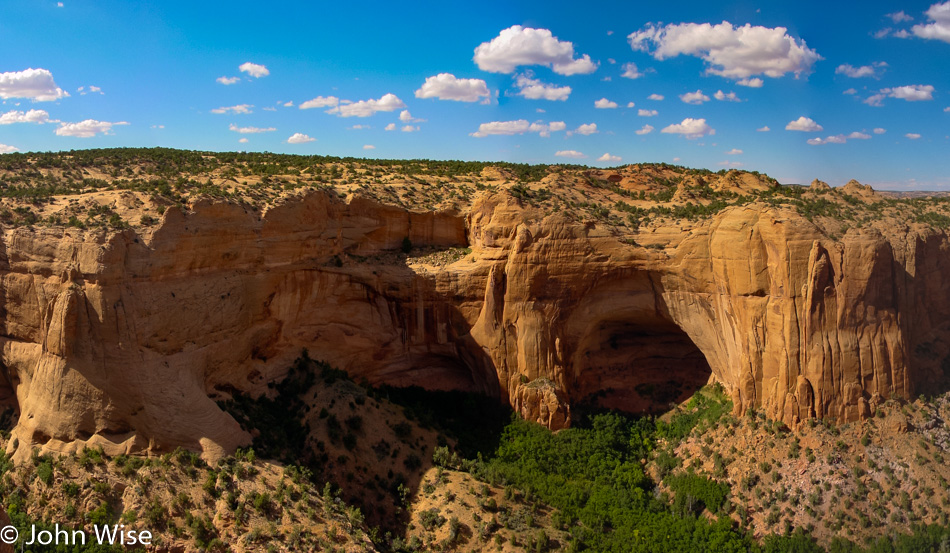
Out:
{"x": 125, "y": 339}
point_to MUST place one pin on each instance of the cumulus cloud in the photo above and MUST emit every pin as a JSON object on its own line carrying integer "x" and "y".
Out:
{"x": 723, "y": 97}
{"x": 630, "y": 104}
{"x": 250, "y": 130}
{"x": 519, "y": 126}
{"x": 89, "y": 90}
{"x": 763, "y": 129}
{"x": 37, "y": 116}
{"x": 366, "y": 108}
{"x": 804, "y": 124}
{"x": 912, "y": 135}
{"x": 939, "y": 26}
{"x": 446, "y": 86}
{"x": 647, "y": 112}
{"x": 390, "y": 127}
{"x": 5, "y": 149}
{"x": 33, "y": 84}
{"x": 899, "y": 17}
{"x": 533, "y": 89}
{"x": 647, "y": 129}
{"x": 729, "y": 51}
{"x": 656, "y": 97}
{"x": 911, "y": 93}
{"x": 690, "y": 128}
{"x": 87, "y": 128}
{"x": 694, "y": 98}
{"x": 586, "y": 129}
{"x": 609, "y": 158}
{"x": 320, "y": 102}
{"x": 574, "y": 154}
{"x": 409, "y": 128}
{"x": 879, "y": 130}
{"x": 240, "y": 108}
{"x": 850, "y": 91}
{"x": 407, "y": 117}
{"x": 839, "y": 138}
{"x": 227, "y": 80}
{"x": 253, "y": 69}
{"x": 863, "y": 71}
{"x": 734, "y": 152}
{"x": 630, "y": 71}
{"x": 604, "y": 103}
{"x": 369, "y": 147}
{"x": 754, "y": 82}
{"x": 299, "y": 138}
{"x": 520, "y": 46}
{"x": 244, "y": 141}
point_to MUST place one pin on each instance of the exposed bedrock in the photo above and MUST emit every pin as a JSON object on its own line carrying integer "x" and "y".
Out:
{"x": 125, "y": 340}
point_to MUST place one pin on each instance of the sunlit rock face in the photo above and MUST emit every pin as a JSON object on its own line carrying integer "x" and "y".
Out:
{"x": 126, "y": 339}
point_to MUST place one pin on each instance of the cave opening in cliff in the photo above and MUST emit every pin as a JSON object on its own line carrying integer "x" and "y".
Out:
{"x": 639, "y": 367}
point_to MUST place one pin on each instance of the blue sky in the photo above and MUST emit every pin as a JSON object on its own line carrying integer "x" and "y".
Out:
{"x": 846, "y": 91}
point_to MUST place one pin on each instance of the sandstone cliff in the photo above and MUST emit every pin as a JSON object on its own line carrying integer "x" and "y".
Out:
{"x": 126, "y": 338}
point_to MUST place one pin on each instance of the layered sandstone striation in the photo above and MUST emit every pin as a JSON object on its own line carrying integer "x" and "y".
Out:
{"x": 126, "y": 338}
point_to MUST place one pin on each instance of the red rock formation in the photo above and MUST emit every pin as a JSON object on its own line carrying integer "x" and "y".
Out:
{"x": 123, "y": 339}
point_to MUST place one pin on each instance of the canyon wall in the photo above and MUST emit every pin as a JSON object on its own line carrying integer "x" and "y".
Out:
{"x": 125, "y": 339}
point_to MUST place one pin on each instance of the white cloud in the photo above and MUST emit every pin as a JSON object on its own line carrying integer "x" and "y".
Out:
{"x": 158, "y": 126}
{"x": 946, "y": 109}
{"x": 912, "y": 135}
{"x": 676, "y": 159}
{"x": 59, "y": 4}
{"x": 879, "y": 130}
{"x": 850, "y": 91}
{"x": 604, "y": 103}
{"x": 730, "y": 163}
{"x": 366, "y": 108}
{"x": 899, "y": 17}
{"x": 839, "y": 138}
{"x": 630, "y": 71}
{"x": 519, "y": 126}
{"x": 5, "y": 149}
{"x": 91, "y": 90}
{"x": 694, "y": 98}
{"x": 269, "y": 108}
{"x": 690, "y": 128}
{"x": 734, "y": 152}
{"x": 287, "y": 104}
{"x": 609, "y": 158}
{"x": 299, "y": 138}
{"x": 647, "y": 112}
{"x": 369, "y": 147}
{"x": 87, "y": 128}
{"x": 731, "y": 52}
{"x": 227, "y": 80}
{"x": 862, "y": 71}
{"x": 754, "y": 82}
{"x": 250, "y": 130}
{"x": 240, "y": 108}
{"x": 763, "y": 129}
{"x": 911, "y": 93}
{"x": 407, "y": 117}
{"x": 244, "y": 141}
{"x": 656, "y": 97}
{"x": 253, "y": 69}
{"x": 519, "y": 46}
{"x": 360, "y": 127}
{"x": 939, "y": 26}
{"x": 390, "y": 127}
{"x": 630, "y": 104}
{"x": 574, "y": 154}
{"x": 731, "y": 97}
{"x": 445, "y": 86}
{"x": 409, "y": 128}
{"x": 533, "y": 89}
{"x": 33, "y": 116}
{"x": 586, "y": 129}
{"x": 804, "y": 124}
{"x": 647, "y": 129}
{"x": 34, "y": 84}
{"x": 320, "y": 102}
